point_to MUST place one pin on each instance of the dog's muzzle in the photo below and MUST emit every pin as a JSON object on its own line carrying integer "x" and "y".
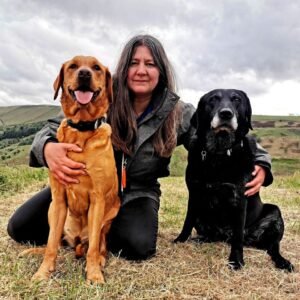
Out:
{"x": 83, "y": 94}
{"x": 224, "y": 119}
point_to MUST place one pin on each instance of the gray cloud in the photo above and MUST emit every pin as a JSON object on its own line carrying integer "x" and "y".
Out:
{"x": 262, "y": 37}
{"x": 245, "y": 44}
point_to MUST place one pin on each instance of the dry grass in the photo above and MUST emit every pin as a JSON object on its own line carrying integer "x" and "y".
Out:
{"x": 184, "y": 271}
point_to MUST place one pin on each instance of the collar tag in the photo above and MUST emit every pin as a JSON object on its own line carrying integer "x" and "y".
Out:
{"x": 203, "y": 154}
{"x": 97, "y": 124}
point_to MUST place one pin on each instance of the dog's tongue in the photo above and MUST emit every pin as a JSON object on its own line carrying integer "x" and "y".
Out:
{"x": 83, "y": 97}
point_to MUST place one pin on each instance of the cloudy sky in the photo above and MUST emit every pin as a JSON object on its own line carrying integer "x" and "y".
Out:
{"x": 253, "y": 45}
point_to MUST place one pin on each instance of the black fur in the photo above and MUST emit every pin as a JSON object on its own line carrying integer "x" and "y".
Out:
{"x": 220, "y": 163}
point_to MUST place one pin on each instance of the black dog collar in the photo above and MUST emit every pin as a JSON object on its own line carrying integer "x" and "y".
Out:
{"x": 228, "y": 151}
{"x": 87, "y": 126}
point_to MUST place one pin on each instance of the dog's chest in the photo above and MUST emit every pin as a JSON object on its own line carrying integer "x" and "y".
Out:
{"x": 233, "y": 168}
{"x": 219, "y": 179}
{"x": 97, "y": 156}
{"x": 95, "y": 145}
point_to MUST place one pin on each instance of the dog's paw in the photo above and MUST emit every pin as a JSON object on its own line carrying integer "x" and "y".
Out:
{"x": 284, "y": 264}
{"x": 180, "y": 239}
{"x": 236, "y": 265}
{"x": 236, "y": 262}
{"x": 177, "y": 240}
{"x": 45, "y": 270}
{"x": 40, "y": 276}
{"x": 236, "y": 259}
{"x": 95, "y": 278}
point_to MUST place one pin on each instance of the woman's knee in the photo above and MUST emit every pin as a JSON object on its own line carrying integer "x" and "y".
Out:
{"x": 29, "y": 223}
{"x": 132, "y": 245}
{"x": 140, "y": 248}
{"x": 12, "y": 230}
{"x": 134, "y": 232}
{"x": 21, "y": 233}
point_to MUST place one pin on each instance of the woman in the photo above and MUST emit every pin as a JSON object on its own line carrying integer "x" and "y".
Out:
{"x": 148, "y": 120}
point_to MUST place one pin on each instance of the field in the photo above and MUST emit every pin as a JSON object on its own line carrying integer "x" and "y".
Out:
{"x": 183, "y": 271}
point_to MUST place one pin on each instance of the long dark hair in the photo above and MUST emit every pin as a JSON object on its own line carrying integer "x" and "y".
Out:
{"x": 121, "y": 114}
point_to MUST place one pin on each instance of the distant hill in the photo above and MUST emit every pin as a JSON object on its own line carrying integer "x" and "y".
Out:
{"x": 12, "y": 115}
{"x": 279, "y": 135}
{"x": 18, "y": 126}
{"x": 24, "y": 114}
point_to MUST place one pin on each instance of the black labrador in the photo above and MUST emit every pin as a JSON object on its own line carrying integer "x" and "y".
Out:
{"x": 220, "y": 163}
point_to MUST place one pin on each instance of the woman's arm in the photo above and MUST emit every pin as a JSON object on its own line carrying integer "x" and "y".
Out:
{"x": 263, "y": 159}
{"x": 185, "y": 131}
{"x": 46, "y": 151}
{"x": 45, "y": 135}
{"x": 262, "y": 175}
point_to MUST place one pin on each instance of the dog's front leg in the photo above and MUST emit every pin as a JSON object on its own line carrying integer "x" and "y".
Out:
{"x": 95, "y": 220}
{"x": 190, "y": 219}
{"x": 109, "y": 216}
{"x": 236, "y": 259}
{"x": 56, "y": 218}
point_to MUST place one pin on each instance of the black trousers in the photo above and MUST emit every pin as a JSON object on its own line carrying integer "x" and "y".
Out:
{"x": 133, "y": 233}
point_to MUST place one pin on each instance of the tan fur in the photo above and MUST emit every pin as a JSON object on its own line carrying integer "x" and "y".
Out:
{"x": 84, "y": 211}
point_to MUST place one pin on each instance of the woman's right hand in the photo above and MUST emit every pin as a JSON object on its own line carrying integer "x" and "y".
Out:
{"x": 64, "y": 169}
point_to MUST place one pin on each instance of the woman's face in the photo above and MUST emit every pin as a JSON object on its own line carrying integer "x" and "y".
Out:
{"x": 143, "y": 74}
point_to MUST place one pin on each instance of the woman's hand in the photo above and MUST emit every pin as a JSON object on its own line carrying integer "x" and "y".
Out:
{"x": 63, "y": 168}
{"x": 254, "y": 185}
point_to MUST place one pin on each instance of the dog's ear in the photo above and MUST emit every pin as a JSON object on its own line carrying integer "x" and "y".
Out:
{"x": 195, "y": 117}
{"x": 58, "y": 83}
{"x": 194, "y": 120}
{"x": 248, "y": 111}
{"x": 108, "y": 80}
{"x": 199, "y": 118}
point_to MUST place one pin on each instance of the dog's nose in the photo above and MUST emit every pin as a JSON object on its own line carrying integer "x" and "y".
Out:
{"x": 84, "y": 75}
{"x": 226, "y": 114}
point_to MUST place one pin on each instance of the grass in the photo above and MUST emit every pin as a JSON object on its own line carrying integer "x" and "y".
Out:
{"x": 276, "y": 132}
{"x": 285, "y": 166}
{"x": 275, "y": 118}
{"x": 16, "y": 179}
{"x": 183, "y": 271}
{"x": 178, "y": 161}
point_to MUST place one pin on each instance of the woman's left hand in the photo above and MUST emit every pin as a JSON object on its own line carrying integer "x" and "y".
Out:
{"x": 254, "y": 185}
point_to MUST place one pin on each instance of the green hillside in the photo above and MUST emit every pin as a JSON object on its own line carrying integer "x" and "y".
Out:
{"x": 12, "y": 115}
{"x": 18, "y": 126}
{"x": 279, "y": 135}
{"x": 276, "y": 118}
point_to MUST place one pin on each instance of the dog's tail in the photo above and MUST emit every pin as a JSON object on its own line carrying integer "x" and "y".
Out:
{"x": 33, "y": 251}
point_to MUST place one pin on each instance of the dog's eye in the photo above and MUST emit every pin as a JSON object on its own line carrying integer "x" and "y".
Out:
{"x": 214, "y": 99}
{"x": 73, "y": 66}
{"x": 235, "y": 99}
{"x": 96, "y": 67}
